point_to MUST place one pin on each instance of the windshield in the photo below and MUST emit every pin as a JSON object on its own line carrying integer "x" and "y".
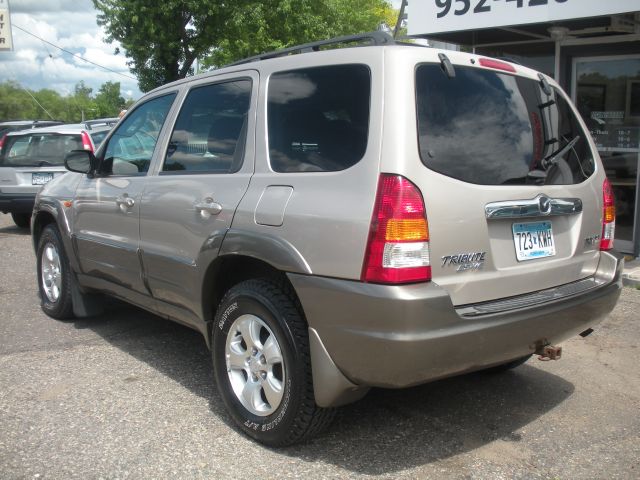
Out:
{"x": 38, "y": 149}
{"x": 491, "y": 128}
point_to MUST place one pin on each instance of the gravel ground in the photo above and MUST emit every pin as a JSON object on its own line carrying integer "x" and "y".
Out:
{"x": 129, "y": 395}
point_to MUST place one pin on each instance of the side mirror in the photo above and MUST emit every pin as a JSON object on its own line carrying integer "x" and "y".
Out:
{"x": 81, "y": 161}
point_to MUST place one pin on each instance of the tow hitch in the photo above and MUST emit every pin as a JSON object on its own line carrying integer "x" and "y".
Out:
{"x": 548, "y": 352}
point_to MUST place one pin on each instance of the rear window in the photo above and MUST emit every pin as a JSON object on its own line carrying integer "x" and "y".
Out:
{"x": 490, "y": 128}
{"x": 318, "y": 118}
{"x": 40, "y": 150}
{"x": 97, "y": 137}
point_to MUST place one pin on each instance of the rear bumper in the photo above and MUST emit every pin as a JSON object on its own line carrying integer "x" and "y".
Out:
{"x": 398, "y": 336}
{"x": 17, "y": 202}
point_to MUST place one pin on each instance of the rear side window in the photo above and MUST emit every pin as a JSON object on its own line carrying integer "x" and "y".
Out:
{"x": 210, "y": 132}
{"x": 39, "y": 150}
{"x": 318, "y": 118}
{"x": 490, "y": 128}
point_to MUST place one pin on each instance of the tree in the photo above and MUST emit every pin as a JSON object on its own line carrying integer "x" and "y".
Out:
{"x": 18, "y": 103}
{"x": 275, "y": 24}
{"x": 163, "y": 39}
{"x": 81, "y": 103}
{"x": 108, "y": 101}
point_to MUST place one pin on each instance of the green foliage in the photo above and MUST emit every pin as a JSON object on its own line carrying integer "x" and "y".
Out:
{"x": 108, "y": 101}
{"x": 16, "y": 103}
{"x": 163, "y": 39}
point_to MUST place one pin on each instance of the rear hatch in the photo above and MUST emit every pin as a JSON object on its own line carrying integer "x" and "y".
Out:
{"x": 511, "y": 184}
{"x": 29, "y": 161}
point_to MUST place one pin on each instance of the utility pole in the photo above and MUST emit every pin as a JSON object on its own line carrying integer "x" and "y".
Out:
{"x": 401, "y": 17}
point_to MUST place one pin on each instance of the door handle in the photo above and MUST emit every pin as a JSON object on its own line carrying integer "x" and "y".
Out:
{"x": 125, "y": 202}
{"x": 208, "y": 207}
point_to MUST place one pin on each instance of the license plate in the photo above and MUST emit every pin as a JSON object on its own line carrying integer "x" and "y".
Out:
{"x": 533, "y": 240}
{"x": 41, "y": 178}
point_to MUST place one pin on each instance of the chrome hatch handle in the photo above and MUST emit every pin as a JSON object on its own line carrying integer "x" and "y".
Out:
{"x": 541, "y": 206}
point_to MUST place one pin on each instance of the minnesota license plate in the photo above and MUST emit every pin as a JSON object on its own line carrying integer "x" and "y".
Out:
{"x": 41, "y": 178}
{"x": 533, "y": 240}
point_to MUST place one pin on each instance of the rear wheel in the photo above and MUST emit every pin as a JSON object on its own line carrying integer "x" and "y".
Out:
{"x": 262, "y": 364}
{"x": 22, "y": 220}
{"x": 54, "y": 275}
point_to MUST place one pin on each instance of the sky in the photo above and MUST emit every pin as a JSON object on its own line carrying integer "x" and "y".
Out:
{"x": 69, "y": 24}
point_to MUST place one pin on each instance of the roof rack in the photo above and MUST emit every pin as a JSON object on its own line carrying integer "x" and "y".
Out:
{"x": 370, "y": 38}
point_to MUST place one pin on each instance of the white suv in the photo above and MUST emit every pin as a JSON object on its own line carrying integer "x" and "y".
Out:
{"x": 31, "y": 158}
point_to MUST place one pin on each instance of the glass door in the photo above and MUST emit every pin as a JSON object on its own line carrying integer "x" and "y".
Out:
{"x": 606, "y": 91}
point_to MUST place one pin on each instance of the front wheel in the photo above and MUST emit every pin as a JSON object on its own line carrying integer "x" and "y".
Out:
{"x": 262, "y": 365}
{"x": 54, "y": 275}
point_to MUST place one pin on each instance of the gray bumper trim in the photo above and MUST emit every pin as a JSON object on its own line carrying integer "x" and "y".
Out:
{"x": 544, "y": 296}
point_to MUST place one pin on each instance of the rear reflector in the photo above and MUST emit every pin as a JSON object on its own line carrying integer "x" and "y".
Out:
{"x": 497, "y": 64}
{"x": 398, "y": 246}
{"x": 86, "y": 142}
{"x": 608, "y": 216}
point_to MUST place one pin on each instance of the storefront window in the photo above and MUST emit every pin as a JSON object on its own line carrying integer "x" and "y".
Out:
{"x": 607, "y": 92}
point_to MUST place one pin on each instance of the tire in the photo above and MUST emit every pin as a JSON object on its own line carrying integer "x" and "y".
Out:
{"x": 509, "y": 365}
{"x": 262, "y": 365}
{"x": 54, "y": 275}
{"x": 22, "y": 220}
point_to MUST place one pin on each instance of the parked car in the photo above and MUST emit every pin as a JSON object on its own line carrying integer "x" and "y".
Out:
{"x": 31, "y": 158}
{"x": 15, "y": 125}
{"x": 338, "y": 219}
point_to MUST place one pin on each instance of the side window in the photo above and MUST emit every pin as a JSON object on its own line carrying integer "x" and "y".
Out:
{"x": 131, "y": 146}
{"x": 318, "y": 118}
{"x": 20, "y": 147}
{"x": 210, "y": 131}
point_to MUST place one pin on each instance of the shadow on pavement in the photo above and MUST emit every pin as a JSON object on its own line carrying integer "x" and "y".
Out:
{"x": 14, "y": 230}
{"x": 387, "y": 431}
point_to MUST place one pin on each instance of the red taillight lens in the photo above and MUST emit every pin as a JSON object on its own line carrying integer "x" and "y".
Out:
{"x": 2, "y": 139}
{"x": 86, "y": 142}
{"x": 608, "y": 216}
{"x": 398, "y": 247}
{"x": 497, "y": 64}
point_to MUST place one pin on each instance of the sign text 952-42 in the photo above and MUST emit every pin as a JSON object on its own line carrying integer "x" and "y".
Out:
{"x": 463, "y": 7}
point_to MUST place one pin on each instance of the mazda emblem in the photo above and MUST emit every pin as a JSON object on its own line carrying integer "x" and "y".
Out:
{"x": 545, "y": 204}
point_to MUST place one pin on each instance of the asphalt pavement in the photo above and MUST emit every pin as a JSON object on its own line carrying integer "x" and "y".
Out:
{"x": 129, "y": 395}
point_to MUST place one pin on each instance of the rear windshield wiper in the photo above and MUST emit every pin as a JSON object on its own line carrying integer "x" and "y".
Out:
{"x": 552, "y": 159}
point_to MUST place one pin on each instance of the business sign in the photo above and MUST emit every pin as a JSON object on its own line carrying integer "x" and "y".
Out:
{"x": 6, "y": 42}
{"x": 439, "y": 16}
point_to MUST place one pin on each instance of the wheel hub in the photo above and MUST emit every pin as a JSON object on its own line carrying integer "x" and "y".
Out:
{"x": 254, "y": 365}
{"x": 51, "y": 272}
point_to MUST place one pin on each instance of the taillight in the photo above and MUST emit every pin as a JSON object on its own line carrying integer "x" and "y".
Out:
{"x": 398, "y": 246}
{"x": 2, "y": 139}
{"x": 86, "y": 142}
{"x": 497, "y": 64}
{"x": 608, "y": 216}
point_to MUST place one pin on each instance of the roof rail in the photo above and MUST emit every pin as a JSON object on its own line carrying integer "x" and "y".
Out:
{"x": 100, "y": 121}
{"x": 370, "y": 38}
